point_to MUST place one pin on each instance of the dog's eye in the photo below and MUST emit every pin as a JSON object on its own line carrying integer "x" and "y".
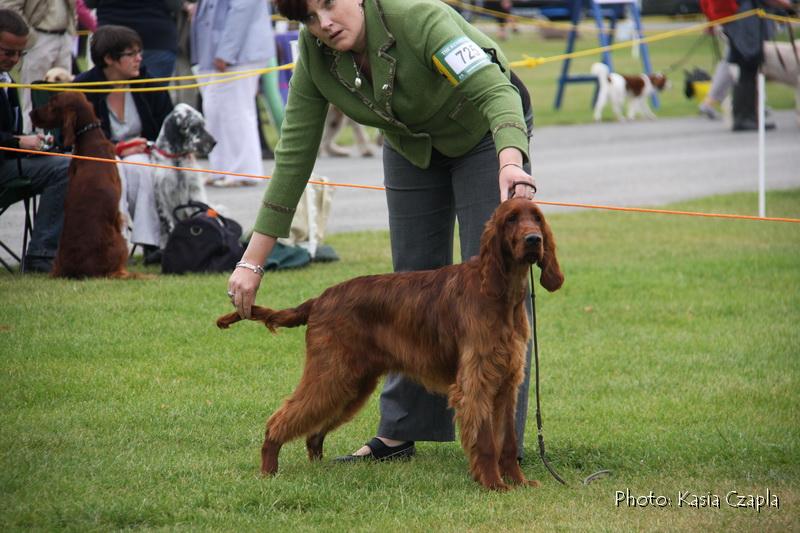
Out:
{"x": 512, "y": 218}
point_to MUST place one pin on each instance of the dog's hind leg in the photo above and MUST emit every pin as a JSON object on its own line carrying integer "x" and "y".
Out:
{"x": 322, "y": 398}
{"x": 315, "y": 441}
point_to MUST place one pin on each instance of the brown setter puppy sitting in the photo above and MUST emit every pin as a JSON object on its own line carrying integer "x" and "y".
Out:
{"x": 460, "y": 330}
{"x": 91, "y": 242}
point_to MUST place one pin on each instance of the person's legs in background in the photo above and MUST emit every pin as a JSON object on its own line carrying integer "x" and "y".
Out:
{"x": 231, "y": 117}
{"x": 50, "y": 180}
{"x": 138, "y": 206}
{"x": 721, "y": 83}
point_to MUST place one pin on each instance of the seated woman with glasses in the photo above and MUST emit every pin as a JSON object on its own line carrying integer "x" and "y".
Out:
{"x": 129, "y": 120}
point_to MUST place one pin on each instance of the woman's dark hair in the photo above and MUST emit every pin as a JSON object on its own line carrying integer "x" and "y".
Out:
{"x": 113, "y": 41}
{"x": 11, "y": 22}
{"x": 293, "y": 9}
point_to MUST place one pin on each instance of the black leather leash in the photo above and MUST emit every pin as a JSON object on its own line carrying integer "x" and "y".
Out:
{"x": 538, "y": 394}
{"x": 539, "y": 431}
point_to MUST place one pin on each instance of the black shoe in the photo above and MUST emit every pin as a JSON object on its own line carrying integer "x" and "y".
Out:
{"x": 37, "y": 264}
{"x": 381, "y": 452}
{"x": 751, "y": 125}
{"x": 152, "y": 255}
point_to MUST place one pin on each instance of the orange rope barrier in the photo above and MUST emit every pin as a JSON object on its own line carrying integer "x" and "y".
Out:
{"x": 672, "y": 212}
{"x": 379, "y": 188}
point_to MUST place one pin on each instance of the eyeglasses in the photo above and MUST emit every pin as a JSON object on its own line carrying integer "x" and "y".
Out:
{"x": 8, "y": 52}
{"x": 132, "y": 53}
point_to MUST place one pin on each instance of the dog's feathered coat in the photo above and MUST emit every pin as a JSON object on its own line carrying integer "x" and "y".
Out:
{"x": 460, "y": 330}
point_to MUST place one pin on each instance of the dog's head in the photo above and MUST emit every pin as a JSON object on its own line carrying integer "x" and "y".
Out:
{"x": 184, "y": 132}
{"x": 67, "y": 111}
{"x": 659, "y": 81}
{"x": 517, "y": 235}
{"x": 58, "y": 75}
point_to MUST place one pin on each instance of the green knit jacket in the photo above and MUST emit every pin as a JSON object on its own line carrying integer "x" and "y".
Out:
{"x": 430, "y": 88}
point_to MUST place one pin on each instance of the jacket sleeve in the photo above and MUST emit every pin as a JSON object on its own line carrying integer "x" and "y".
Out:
{"x": 295, "y": 153}
{"x": 240, "y": 16}
{"x": 8, "y": 139}
{"x": 487, "y": 87}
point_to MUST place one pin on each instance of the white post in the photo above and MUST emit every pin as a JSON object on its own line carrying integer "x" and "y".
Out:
{"x": 762, "y": 198}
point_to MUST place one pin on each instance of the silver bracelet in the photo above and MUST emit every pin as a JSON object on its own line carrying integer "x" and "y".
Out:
{"x": 258, "y": 269}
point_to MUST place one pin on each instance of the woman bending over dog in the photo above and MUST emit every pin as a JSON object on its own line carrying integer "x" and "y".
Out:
{"x": 457, "y": 125}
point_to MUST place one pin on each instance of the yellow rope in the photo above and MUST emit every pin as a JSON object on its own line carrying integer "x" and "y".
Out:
{"x": 527, "y": 61}
{"x": 534, "y": 62}
{"x": 80, "y": 86}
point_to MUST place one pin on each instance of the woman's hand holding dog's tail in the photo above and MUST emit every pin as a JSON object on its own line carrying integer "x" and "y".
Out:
{"x": 243, "y": 283}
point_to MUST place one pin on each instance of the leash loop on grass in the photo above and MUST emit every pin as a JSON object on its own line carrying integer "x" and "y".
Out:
{"x": 596, "y": 476}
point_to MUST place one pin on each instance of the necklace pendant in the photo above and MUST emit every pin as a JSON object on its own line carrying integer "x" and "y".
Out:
{"x": 357, "y": 82}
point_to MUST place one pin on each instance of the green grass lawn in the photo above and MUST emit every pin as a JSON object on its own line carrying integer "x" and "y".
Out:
{"x": 670, "y": 357}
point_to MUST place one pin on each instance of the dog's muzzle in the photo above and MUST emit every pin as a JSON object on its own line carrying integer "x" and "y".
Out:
{"x": 533, "y": 247}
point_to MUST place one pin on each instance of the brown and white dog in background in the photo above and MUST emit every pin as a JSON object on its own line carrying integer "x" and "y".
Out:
{"x": 91, "y": 242}
{"x": 615, "y": 88}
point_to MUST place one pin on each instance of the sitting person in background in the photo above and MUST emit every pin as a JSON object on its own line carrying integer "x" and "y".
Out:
{"x": 129, "y": 120}
{"x": 48, "y": 175}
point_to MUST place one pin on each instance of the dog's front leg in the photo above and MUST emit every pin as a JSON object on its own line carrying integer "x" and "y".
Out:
{"x": 509, "y": 465}
{"x": 474, "y": 415}
{"x": 269, "y": 456}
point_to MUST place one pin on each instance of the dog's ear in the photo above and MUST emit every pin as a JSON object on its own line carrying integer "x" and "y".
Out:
{"x": 68, "y": 129}
{"x": 551, "y": 278}
{"x": 172, "y": 133}
{"x": 492, "y": 266}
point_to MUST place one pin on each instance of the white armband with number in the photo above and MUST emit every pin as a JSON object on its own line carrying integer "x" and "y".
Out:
{"x": 459, "y": 59}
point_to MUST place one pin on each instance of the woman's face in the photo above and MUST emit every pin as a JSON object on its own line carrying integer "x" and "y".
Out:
{"x": 338, "y": 23}
{"x": 126, "y": 67}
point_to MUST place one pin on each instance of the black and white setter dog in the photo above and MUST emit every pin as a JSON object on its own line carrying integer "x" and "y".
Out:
{"x": 183, "y": 136}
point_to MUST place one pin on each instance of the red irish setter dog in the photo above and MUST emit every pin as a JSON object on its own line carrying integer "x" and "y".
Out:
{"x": 460, "y": 330}
{"x": 91, "y": 242}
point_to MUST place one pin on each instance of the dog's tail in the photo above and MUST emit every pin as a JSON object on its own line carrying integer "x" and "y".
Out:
{"x": 284, "y": 318}
{"x": 601, "y": 71}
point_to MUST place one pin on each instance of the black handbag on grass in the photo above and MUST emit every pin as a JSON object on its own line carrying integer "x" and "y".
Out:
{"x": 203, "y": 241}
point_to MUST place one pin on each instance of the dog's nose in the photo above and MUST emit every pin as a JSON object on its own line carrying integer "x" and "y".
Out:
{"x": 533, "y": 239}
